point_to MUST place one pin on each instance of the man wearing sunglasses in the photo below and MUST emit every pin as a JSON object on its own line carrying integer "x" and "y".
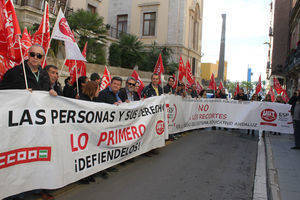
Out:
{"x": 14, "y": 77}
{"x": 128, "y": 93}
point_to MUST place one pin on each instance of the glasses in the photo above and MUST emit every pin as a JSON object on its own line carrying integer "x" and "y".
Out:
{"x": 132, "y": 84}
{"x": 38, "y": 55}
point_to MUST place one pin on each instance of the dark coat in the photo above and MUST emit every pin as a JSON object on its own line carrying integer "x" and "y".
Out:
{"x": 168, "y": 89}
{"x": 107, "y": 96}
{"x": 57, "y": 88}
{"x": 241, "y": 97}
{"x": 123, "y": 95}
{"x": 69, "y": 91}
{"x": 194, "y": 94}
{"x": 149, "y": 91}
{"x": 14, "y": 79}
{"x": 86, "y": 98}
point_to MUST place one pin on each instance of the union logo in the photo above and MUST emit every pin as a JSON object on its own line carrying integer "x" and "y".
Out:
{"x": 160, "y": 127}
{"x": 268, "y": 115}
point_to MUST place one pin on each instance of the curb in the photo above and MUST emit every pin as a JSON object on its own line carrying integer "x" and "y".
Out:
{"x": 272, "y": 173}
{"x": 260, "y": 180}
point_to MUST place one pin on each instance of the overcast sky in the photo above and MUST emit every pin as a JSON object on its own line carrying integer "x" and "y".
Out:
{"x": 246, "y": 30}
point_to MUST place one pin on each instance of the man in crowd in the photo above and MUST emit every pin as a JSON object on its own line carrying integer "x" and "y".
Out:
{"x": 241, "y": 96}
{"x": 128, "y": 93}
{"x": 14, "y": 77}
{"x": 168, "y": 89}
{"x": 69, "y": 90}
{"x": 96, "y": 77}
{"x": 153, "y": 89}
{"x": 110, "y": 94}
{"x": 194, "y": 91}
{"x": 54, "y": 87}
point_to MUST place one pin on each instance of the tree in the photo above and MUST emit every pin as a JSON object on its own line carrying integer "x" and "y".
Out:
{"x": 89, "y": 27}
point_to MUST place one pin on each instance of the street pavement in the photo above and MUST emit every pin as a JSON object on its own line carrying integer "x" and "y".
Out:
{"x": 286, "y": 165}
{"x": 203, "y": 164}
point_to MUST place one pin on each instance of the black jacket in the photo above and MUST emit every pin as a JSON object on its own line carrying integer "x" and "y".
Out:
{"x": 69, "y": 91}
{"x": 107, "y": 96}
{"x": 57, "y": 88}
{"x": 14, "y": 79}
{"x": 194, "y": 94}
{"x": 241, "y": 97}
{"x": 123, "y": 95}
{"x": 149, "y": 91}
{"x": 168, "y": 89}
{"x": 86, "y": 97}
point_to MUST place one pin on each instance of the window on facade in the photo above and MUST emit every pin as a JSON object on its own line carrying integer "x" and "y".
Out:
{"x": 122, "y": 24}
{"x": 194, "y": 66}
{"x": 149, "y": 24}
{"x": 92, "y": 9}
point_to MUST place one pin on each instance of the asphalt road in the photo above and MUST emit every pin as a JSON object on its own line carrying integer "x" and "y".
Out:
{"x": 203, "y": 164}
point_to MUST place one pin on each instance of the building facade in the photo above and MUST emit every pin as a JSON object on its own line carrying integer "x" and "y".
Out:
{"x": 284, "y": 53}
{"x": 176, "y": 24}
{"x": 212, "y": 68}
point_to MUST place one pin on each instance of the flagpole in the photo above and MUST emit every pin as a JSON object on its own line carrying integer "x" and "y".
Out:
{"x": 62, "y": 66}
{"x": 46, "y": 53}
{"x": 77, "y": 79}
{"x": 66, "y": 7}
{"x": 25, "y": 76}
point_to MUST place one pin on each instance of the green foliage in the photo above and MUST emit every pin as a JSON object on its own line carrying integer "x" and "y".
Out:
{"x": 114, "y": 55}
{"x": 89, "y": 27}
{"x": 152, "y": 54}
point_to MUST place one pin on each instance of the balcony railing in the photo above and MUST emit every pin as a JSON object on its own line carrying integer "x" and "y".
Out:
{"x": 293, "y": 59}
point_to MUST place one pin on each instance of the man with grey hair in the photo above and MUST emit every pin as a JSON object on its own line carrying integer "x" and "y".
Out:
{"x": 128, "y": 93}
{"x": 14, "y": 77}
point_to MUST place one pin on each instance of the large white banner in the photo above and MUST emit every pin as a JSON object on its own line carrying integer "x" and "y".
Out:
{"x": 49, "y": 142}
{"x": 186, "y": 114}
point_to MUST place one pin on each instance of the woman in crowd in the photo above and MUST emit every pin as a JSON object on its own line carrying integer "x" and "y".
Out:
{"x": 203, "y": 93}
{"x": 90, "y": 91}
{"x": 81, "y": 82}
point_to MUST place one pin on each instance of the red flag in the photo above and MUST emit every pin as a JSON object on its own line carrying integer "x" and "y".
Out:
{"x": 212, "y": 83}
{"x": 106, "y": 78}
{"x": 271, "y": 93}
{"x": 159, "y": 67}
{"x": 26, "y": 43}
{"x": 221, "y": 85}
{"x": 10, "y": 33}
{"x": 277, "y": 86}
{"x": 189, "y": 75}
{"x": 136, "y": 76}
{"x": 237, "y": 90}
{"x": 258, "y": 86}
{"x": 199, "y": 87}
{"x": 77, "y": 64}
{"x": 42, "y": 35}
{"x": 285, "y": 96}
{"x": 181, "y": 70}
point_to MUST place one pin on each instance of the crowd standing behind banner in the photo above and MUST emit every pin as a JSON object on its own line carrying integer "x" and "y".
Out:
{"x": 47, "y": 79}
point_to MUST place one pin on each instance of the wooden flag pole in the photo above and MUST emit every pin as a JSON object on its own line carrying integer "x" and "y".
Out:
{"x": 25, "y": 76}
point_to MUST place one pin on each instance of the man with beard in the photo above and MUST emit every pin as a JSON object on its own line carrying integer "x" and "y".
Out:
{"x": 128, "y": 93}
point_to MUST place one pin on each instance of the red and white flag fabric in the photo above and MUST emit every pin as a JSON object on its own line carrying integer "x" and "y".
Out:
{"x": 12, "y": 33}
{"x": 181, "y": 70}
{"x": 212, "y": 83}
{"x": 42, "y": 35}
{"x": 285, "y": 96}
{"x": 77, "y": 64}
{"x": 10, "y": 36}
{"x": 221, "y": 85}
{"x": 199, "y": 87}
{"x": 258, "y": 86}
{"x": 159, "y": 67}
{"x": 237, "y": 89}
{"x": 277, "y": 86}
{"x": 136, "y": 76}
{"x": 271, "y": 93}
{"x": 62, "y": 31}
{"x": 106, "y": 78}
{"x": 26, "y": 43}
{"x": 189, "y": 75}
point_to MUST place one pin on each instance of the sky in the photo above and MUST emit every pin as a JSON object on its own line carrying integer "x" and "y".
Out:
{"x": 247, "y": 28}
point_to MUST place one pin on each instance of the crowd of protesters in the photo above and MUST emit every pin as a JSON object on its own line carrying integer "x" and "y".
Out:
{"x": 88, "y": 89}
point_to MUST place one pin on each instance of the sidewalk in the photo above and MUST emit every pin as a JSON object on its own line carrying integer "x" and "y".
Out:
{"x": 283, "y": 167}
